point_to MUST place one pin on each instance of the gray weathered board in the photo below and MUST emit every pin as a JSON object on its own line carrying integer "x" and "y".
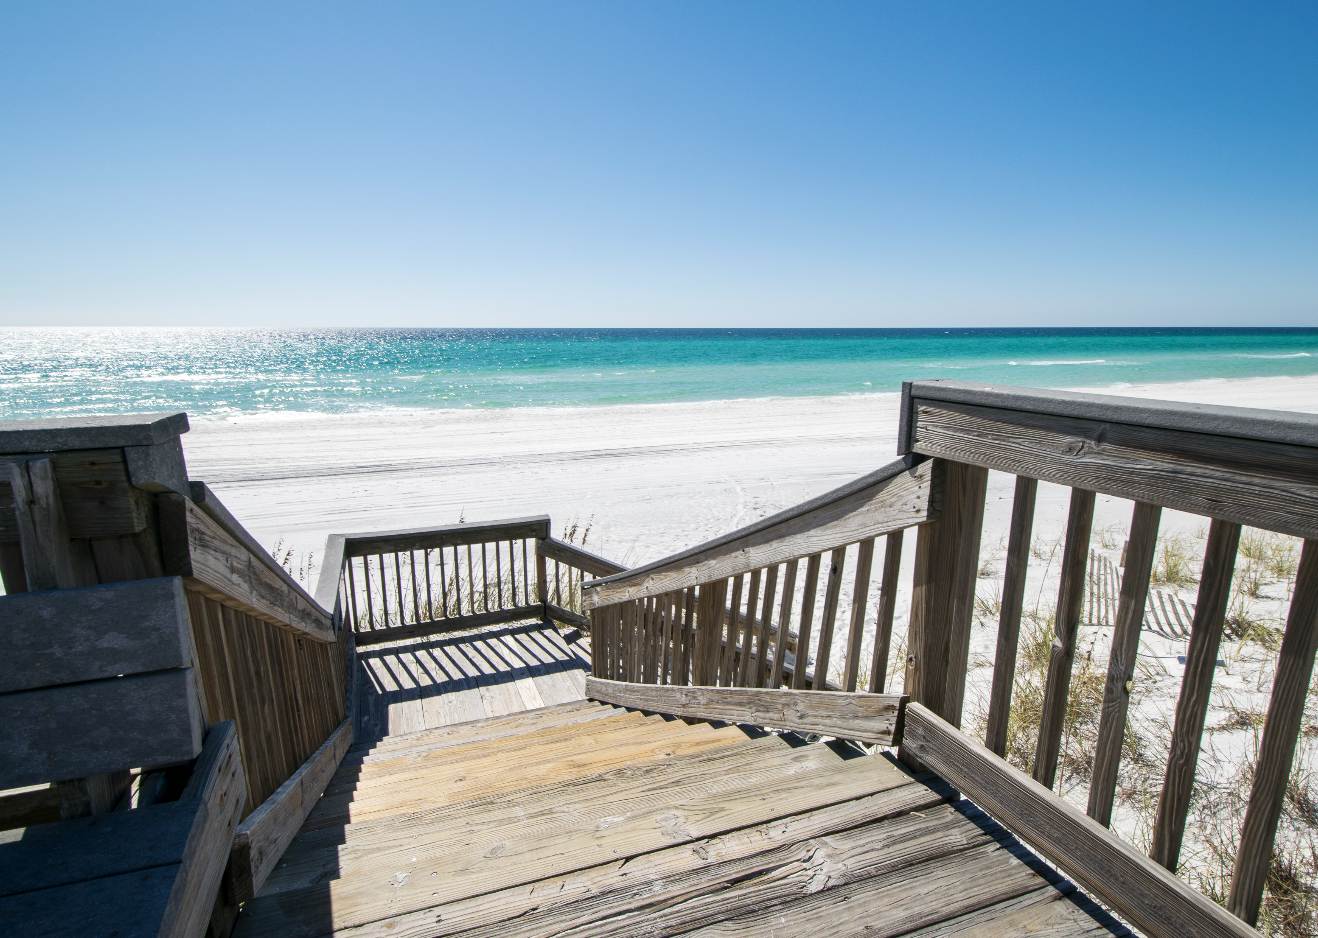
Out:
{"x": 151, "y": 871}
{"x": 75, "y": 730}
{"x": 1147, "y": 895}
{"x": 902, "y": 494}
{"x": 265, "y": 834}
{"x": 197, "y": 548}
{"x": 868, "y": 718}
{"x": 91, "y": 632}
{"x": 1251, "y": 467}
{"x": 453, "y": 535}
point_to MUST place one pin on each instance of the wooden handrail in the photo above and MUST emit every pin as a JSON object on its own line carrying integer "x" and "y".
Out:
{"x": 449, "y": 535}
{"x": 1252, "y": 467}
{"x": 1151, "y": 898}
{"x": 868, "y": 718}
{"x": 574, "y": 556}
{"x": 900, "y": 495}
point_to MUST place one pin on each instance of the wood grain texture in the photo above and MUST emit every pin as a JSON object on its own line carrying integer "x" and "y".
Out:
{"x": 43, "y": 533}
{"x": 892, "y": 566}
{"x": 1140, "y": 550}
{"x": 936, "y": 550}
{"x": 898, "y": 496}
{"x": 574, "y": 556}
{"x": 782, "y": 641}
{"x": 82, "y": 634}
{"x": 197, "y": 548}
{"x": 77, "y": 730}
{"x": 263, "y": 837}
{"x": 97, "y": 498}
{"x": 965, "y": 579}
{"x": 1009, "y": 618}
{"x": 1066, "y": 625}
{"x": 1264, "y": 484}
{"x": 1148, "y": 896}
{"x": 828, "y": 617}
{"x": 859, "y": 605}
{"x": 450, "y": 535}
{"x": 1290, "y": 687}
{"x": 869, "y": 718}
{"x": 1196, "y": 688}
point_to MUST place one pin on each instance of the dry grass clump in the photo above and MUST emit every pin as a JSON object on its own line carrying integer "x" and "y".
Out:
{"x": 302, "y": 569}
{"x": 1174, "y": 562}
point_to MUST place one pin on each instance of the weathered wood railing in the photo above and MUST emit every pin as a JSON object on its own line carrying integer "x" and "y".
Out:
{"x": 153, "y": 616}
{"x": 705, "y": 616}
{"x": 395, "y": 585}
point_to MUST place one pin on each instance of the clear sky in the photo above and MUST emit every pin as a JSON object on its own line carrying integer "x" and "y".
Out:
{"x": 658, "y": 163}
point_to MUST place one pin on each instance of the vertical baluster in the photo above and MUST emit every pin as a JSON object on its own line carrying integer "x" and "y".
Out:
{"x": 457, "y": 583}
{"x": 526, "y": 574}
{"x": 401, "y": 615}
{"x": 892, "y": 565}
{"x": 1281, "y": 730}
{"x": 416, "y": 594}
{"x": 808, "y": 595}
{"x": 352, "y": 592}
{"x": 729, "y": 667}
{"x": 974, "y": 480}
{"x": 384, "y": 592}
{"x": 485, "y": 579}
{"x": 657, "y": 639}
{"x": 832, "y": 593}
{"x": 1121, "y": 660}
{"x": 1009, "y": 617}
{"x": 638, "y": 642}
{"x": 498, "y": 573}
{"x": 558, "y": 586}
{"x": 512, "y": 574}
{"x": 665, "y": 622}
{"x": 718, "y": 614}
{"x": 784, "y": 625}
{"x": 1070, "y": 596}
{"x": 471, "y": 583}
{"x": 859, "y": 603}
{"x": 748, "y": 632}
{"x": 651, "y": 631}
{"x": 430, "y": 593}
{"x": 766, "y": 619}
{"x": 541, "y": 577}
{"x": 1192, "y": 705}
{"x": 688, "y": 635}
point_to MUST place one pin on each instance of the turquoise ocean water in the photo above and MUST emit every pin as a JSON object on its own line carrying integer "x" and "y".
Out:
{"x": 70, "y": 372}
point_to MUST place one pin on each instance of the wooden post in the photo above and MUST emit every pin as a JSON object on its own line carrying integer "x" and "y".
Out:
{"x": 1121, "y": 662}
{"x": 1290, "y": 686}
{"x": 1192, "y": 705}
{"x": 807, "y": 621}
{"x": 936, "y": 547}
{"x": 43, "y": 534}
{"x": 859, "y": 604}
{"x": 892, "y": 565}
{"x": 1070, "y": 604}
{"x": 1009, "y": 619}
{"x": 832, "y": 592}
{"x": 974, "y": 479}
{"x": 743, "y": 677}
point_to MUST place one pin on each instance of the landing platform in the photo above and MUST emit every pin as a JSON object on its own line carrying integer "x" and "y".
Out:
{"x": 584, "y": 819}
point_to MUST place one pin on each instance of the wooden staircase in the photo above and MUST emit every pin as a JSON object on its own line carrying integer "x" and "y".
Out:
{"x": 587, "y": 819}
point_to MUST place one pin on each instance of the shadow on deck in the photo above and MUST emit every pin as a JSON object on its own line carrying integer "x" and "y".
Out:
{"x": 411, "y": 686}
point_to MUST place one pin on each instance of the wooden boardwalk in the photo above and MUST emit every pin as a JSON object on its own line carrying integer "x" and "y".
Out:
{"x": 410, "y": 686}
{"x": 580, "y": 818}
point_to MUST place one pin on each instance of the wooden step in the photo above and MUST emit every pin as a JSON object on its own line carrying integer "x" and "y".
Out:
{"x": 490, "y": 727}
{"x": 371, "y": 871}
{"x": 612, "y": 887}
{"x": 417, "y": 787}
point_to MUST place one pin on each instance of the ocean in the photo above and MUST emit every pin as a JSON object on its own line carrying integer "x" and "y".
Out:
{"x": 216, "y": 372}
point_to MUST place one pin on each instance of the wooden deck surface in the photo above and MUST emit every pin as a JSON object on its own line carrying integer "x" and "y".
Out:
{"x": 407, "y": 687}
{"x": 579, "y": 818}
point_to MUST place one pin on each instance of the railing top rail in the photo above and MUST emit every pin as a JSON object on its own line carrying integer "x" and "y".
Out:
{"x": 563, "y": 552}
{"x": 54, "y": 434}
{"x": 862, "y": 508}
{"x": 449, "y": 535}
{"x": 1273, "y": 426}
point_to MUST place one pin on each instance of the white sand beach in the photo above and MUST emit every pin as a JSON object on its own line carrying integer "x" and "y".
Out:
{"x": 650, "y": 479}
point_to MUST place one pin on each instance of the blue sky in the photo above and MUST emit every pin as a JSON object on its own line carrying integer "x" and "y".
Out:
{"x": 653, "y": 164}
